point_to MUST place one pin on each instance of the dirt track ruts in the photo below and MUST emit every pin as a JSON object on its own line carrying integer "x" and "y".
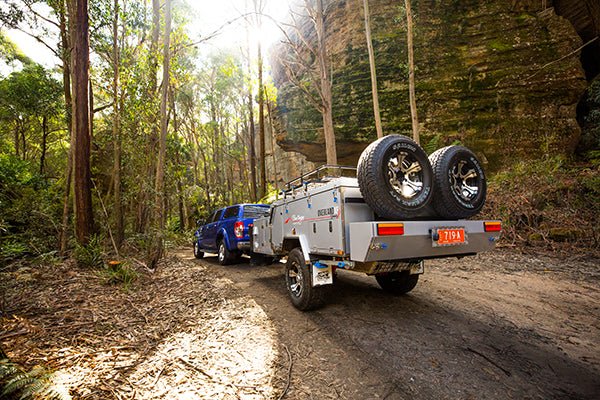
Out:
{"x": 496, "y": 326}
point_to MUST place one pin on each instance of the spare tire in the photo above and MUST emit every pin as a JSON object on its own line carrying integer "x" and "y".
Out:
{"x": 460, "y": 186}
{"x": 395, "y": 177}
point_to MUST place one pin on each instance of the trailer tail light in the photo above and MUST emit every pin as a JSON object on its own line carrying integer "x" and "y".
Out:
{"x": 238, "y": 229}
{"x": 492, "y": 226}
{"x": 390, "y": 229}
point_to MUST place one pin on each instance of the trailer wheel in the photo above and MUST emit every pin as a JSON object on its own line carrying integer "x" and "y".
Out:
{"x": 197, "y": 252}
{"x": 397, "y": 283}
{"x": 460, "y": 186}
{"x": 298, "y": 281}
{"x": 395, "y": 177}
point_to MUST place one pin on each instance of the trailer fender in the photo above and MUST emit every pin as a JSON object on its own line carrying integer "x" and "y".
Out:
{"x": 292, "y": 242}
{"x": 304, "y": 246}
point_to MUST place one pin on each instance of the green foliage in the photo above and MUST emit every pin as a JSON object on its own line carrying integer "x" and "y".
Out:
{"x": 90, "y": 255}
{"x": 591, "y": 183}
{"x": 9, "y": 51}
{"x": 29, "y": 208}
{"x": 590, "y": 140}
{"x": 546, "y": 198}
{"x": 36, "y": 384}
{"x": 433, "y": 142}
{"x": 498, "y": 45}
{"x": 32, "y": 89}
{"x": 119, "y": 273}
{"x": 12, "y": 249}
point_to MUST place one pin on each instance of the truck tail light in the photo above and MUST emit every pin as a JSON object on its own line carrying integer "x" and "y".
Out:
{"x": 390, "y": 229}
{"x": 492, "y": 226}
{"x": 238, "y": 229}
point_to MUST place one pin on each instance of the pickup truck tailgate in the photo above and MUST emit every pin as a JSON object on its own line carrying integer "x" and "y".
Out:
{"x": 409, "y": 240}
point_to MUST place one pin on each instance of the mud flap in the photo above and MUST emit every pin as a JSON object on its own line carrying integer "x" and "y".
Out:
{"x": 322, "y": 274}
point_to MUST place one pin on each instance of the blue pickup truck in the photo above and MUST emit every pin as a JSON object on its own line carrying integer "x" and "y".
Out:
{"x": 227, "y": 232}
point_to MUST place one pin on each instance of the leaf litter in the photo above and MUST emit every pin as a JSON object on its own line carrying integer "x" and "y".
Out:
{"x": 176, "y": 333}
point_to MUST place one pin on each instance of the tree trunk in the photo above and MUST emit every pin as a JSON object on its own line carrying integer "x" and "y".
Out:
{"x": 251, "y": 127}
{"x": 215, "y": 141}
{"x": 17, "y": 139}
{"x": 64, "y": 37}
{"x": 145, "y": 195}
{"x": 179, "y": 177}
{"x": 326, "y": 98}
{"x": 275, "y": 177}
{"x": 160, "y": 216}
{"x": 116, "y": 131}
{"x": 411, "y": 72}
{"x": 84, "y": 217}
{"x": 23, "y": 143}
{"x": 44, "y": 145}
{"x": 206, "y": 179}
{"x": 261, "y": 126}
{"x": 251, "y": 149}
{"x": 374, "y": 90}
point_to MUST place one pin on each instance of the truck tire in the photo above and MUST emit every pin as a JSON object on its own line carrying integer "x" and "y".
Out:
{"x": 459, "y": 183}
{"x": 298, "y": 280}
{"x": 397, "y": 283}
{"x": 395, "y": 177}
{"x": 197, "y": 252}
{"x": 224, "y": 256}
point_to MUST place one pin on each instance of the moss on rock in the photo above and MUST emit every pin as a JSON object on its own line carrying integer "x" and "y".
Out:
{"x": 485, "y": 75}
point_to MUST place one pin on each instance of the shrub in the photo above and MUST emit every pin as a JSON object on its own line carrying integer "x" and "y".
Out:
{"x": 90, "y": 255}
{"x": 117, "y": 272}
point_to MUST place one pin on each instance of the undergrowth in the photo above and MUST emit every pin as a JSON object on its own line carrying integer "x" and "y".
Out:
{"x": 37, "y": 383}
{"x": 121, "y": 273}
{"x": 547, "y": 202}
{"x": 90, "y": 255}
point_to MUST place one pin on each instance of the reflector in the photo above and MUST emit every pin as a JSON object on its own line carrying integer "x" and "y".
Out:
{"x": 492, "y": 226}
{"x": 390, "y": 229}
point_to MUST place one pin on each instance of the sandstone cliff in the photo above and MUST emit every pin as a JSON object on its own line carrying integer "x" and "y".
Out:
{"x": 502, "y": 77}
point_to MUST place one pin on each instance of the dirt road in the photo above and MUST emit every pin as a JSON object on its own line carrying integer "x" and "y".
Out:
{"x": 497, "y": 326}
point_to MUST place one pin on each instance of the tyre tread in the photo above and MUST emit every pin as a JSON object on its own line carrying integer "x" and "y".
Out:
{"x": 443, "y": 202}
{"x": 374, "y": 190}
{"x": 313, "y": 296}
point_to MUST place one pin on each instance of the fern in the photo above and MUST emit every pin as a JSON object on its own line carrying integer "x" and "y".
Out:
{"x": 39, "y": 383}
{"x": 7, "y": 369}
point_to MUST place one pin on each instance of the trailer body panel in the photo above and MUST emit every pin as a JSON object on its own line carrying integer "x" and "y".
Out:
{"x": 417, "y": 241}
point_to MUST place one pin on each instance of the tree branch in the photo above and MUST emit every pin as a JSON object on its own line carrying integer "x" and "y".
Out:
{"x": 37, "y": 38}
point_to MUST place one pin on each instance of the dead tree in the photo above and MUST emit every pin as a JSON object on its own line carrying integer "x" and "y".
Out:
{"x": 376, "y": 112}
{"x": 411, "y": 72}
{"x": 306, "y": 66}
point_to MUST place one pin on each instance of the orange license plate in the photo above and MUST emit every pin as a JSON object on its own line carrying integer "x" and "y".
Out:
{"x": 450, "y": 236}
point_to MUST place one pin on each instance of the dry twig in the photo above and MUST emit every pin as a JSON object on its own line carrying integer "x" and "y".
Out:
{"x": 289, "y": 374}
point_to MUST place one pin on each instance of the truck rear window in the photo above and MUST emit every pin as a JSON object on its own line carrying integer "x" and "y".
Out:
{"x": 231, "y": 212}
{"x": 255, "y": 211}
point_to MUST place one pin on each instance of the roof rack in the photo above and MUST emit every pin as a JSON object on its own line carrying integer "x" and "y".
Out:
{"x": 316, "y": 176}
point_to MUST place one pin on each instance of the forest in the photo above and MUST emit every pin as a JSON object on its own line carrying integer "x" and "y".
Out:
{"x": 125, "y": 122}
{"x": 168, "y": 134}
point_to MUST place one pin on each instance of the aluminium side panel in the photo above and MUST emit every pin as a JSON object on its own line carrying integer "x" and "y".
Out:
{"x": 317, "y": 214}
{"x": 261, "y": 236}
{"x": 354, "y": 209}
